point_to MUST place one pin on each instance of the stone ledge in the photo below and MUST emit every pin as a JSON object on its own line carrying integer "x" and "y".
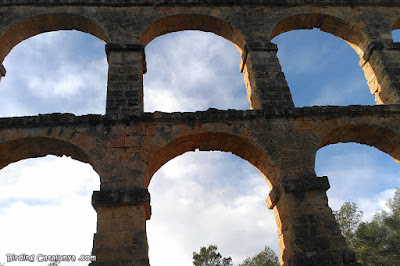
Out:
{"x": 124, "y": 3}
{"x": 211, "y": 115}
{"x": 131, "y": 47}
{"x": 120, "y": 196}
{"x": 306, "y": 183}
{"x": 125, "y": 196}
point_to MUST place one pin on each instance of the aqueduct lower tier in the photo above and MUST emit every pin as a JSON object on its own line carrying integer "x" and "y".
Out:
{"x": 282, "y": 145}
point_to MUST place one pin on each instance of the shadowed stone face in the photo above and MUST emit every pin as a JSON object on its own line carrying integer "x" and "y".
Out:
{"x": 127, "y": 146}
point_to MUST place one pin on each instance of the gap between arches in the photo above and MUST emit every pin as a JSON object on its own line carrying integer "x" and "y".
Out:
{"x": 202, "y": 198}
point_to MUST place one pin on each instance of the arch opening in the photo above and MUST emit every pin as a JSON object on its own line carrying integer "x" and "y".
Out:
{"x": 360, "y": 156}
{"x": 396, "y": 35}
{"x": 321, "y": 69}
{"x": 45, "y": 207}
{"x": 60, "y": 71}
{"x": 191, "y": 71}
{"x": 203, "y": 198}
{"x": 358, "y": 173}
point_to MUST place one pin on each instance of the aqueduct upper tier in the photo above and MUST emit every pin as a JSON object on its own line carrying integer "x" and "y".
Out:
{"x": 128, "y": 26}
{"x": 127, "y": 146}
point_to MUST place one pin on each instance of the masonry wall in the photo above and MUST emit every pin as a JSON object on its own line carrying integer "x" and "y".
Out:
{"x": 127, "y": 146}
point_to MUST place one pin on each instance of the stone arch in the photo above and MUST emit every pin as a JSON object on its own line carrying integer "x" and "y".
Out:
{"x": 193, "y": 22}
{"x": 33, "y": 147}
{"x": 384, "y": 139}
{"x": 29, "y": 27}
{"x": 396, "y": 24}
{"x": 395, "y": 27}
{"x": 225, "y": 142}
{"x": 327, "y": 23}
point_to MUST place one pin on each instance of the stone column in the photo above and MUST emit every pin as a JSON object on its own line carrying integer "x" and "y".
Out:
{"x": 2, "y": 71}
{"x": 121, "y": 226}
{"x": 265, "y": 82}
{"x": 308, "y": 231}
{"x": 381, "y": 65}
{"x": 127, "y": 65}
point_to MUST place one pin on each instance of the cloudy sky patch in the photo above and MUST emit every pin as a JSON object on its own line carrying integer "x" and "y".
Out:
{"x": 189, "y": 72}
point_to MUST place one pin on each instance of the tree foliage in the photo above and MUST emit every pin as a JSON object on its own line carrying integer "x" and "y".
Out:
{"x": 210, "y": 257}
{"x": 376, "y": 242}
{"x": 267, "y": 257}
{"x": 348, "y": 218}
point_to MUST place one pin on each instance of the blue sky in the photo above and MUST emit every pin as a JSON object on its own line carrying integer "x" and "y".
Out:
{"x": 199, "y": 198}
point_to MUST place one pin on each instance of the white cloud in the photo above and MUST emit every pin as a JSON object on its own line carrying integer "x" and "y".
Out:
{"x": 375, "y": 203}
{"x": 190, "y": 71}
{"x": 340, "y": 92}
{"x": 45, "y": 207}
{"x": 42, "y": 78}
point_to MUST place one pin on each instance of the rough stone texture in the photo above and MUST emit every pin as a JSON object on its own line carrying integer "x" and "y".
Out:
{"x": 126, "y": 146}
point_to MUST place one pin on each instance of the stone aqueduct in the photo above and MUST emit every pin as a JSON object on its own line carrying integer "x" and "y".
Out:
{"x": 127, "y": 146}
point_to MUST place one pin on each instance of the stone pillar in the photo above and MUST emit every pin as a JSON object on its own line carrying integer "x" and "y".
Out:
{"x": 2, "y": 71}
{"x": 121, "y": 226}
{"x": 308, "y": 231}
{"x": 127, "y": 65}
{"x": 381, "y": 65}
{"x": 265, "y": 82}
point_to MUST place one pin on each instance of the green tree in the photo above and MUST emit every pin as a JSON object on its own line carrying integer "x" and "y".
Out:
{"x": 378, "y": 241}
{"x": 210, "y": 257}
{"x": 348, "y": 218}
{"x": 267, "y": 257}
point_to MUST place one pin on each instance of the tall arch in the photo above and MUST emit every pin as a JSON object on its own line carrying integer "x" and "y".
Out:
{"x": 327, "y": 23}
{"x": 28, "y": 27}
{"x": 193, "y": 22}
{"x": 236, "y": 144}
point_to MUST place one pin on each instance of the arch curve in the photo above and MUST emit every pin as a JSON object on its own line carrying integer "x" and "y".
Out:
{"x": 225, "y": 142}
{"x": 396, "y": 24}
{"x": 326, "y": 23}
{"x": 33, "y": 147}
{"x": 29, "y": 27}
{"x": 379, "y": 137}
{"x": 182, "y": 22}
